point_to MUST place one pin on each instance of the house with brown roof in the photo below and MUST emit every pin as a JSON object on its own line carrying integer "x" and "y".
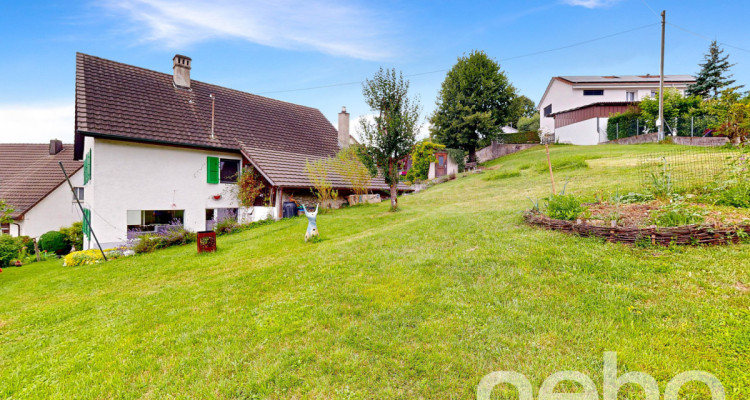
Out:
{"x": 576, "y": 108}
{"x": 33, "y": 184}
{"x": 164, "y": 147}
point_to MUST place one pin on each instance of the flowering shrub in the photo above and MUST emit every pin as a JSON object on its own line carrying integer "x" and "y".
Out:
{"x": 91, "y": 256}
{"x": 174, "y": 234}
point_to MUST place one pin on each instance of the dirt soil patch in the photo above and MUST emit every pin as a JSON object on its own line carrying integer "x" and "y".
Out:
{"x": 640, "y": 214}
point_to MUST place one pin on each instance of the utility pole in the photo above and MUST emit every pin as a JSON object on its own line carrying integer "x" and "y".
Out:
{"x": 661, "y": 79}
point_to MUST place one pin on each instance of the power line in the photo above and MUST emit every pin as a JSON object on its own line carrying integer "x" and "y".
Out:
{"x": 706, "y": 37}
{"x": 502, "y": 59}
{"x": 651, "y": 9}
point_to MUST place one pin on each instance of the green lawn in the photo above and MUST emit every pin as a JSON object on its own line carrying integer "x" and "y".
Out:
{"x": 420, "y": 303}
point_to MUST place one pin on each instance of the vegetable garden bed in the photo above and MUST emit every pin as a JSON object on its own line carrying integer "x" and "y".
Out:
{"x": 682, "y": 235}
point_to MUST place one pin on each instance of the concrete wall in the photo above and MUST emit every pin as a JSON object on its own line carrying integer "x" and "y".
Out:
{"x": 57, "y": 210}
{"x": 132, "y": 176}
{"x": 700, "y": 141}
{"x": 496, "y": 150}
{"x": 647, "y": 138}
{"x": 589, "y": 132}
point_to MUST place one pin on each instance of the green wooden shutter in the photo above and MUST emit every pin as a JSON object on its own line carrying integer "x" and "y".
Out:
{"x": 86, "y": 169}
{"x": 212, "y": 170}
{"x": 86, "y": 226}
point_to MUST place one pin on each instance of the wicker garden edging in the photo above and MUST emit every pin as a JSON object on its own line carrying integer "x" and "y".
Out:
{"x": 682, "y": 235}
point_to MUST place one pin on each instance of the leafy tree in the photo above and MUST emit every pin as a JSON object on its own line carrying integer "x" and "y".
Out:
{"x": 5, "y": 211}
{"x": 473, "y": 104}
{"x": 522, "y": 107}
{"x": 392, "y": 134}
{"x": 714, "y": 75}
{"x": 529, "y": 123}
{"x": 675, "y": 106}
{"x": 353, "y": 170}
{"x": 421, "y": 157}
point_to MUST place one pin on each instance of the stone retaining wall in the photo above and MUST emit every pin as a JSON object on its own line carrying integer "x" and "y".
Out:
{"x": 496, "y": 150}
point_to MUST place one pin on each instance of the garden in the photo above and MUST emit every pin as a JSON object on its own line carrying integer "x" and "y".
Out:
{"x": 686, "y": 196}
{"x": 420, "y": 303}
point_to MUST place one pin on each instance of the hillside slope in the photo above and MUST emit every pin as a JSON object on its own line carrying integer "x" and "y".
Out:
{"x": 421, "y": 303}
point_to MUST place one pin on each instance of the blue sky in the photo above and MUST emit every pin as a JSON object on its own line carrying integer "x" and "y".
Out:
{"x": 276, "y": 47}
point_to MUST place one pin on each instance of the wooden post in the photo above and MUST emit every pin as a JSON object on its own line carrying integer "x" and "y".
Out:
{"x": 36, "y": 251}
{"x": 549, "y": 163}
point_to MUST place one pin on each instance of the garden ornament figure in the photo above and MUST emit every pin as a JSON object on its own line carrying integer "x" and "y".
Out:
{"x": 312, "y": 226}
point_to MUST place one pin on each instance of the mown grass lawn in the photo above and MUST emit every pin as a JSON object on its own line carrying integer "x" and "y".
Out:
{"x": 421, "y": 303}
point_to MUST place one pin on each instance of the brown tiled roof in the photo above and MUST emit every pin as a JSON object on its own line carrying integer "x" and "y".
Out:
{"x": 289, "y": 168}
{"x": 120, "y": 101}
{"x": 28, "y": 173}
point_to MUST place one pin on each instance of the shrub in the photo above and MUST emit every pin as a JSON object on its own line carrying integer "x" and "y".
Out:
{"x": 74, "y": 234}
{"x": 54, "y": 242}
{"x": 91, "y": 256}
{"x": 421, "y": 157}
{"x": 628, "y": 123}
{"x": 174, "y": 235}
{"x": 9, "y": 248}
{"x": 564, "y": 206}
{"x": 228, "y": 224}
{"x": 519, "y": 137}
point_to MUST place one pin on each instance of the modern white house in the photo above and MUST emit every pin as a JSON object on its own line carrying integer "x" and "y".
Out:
{"x": 33, "y": 184}
{"x": 576, "y": 108}
{"x": 158, "y": 148}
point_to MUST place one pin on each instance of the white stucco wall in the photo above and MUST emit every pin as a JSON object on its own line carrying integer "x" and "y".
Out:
{"x": 133, "y": 176}
{"x": 583, "y": 133}
{"x": 564, "y": 96}
{"x": 57, "y": 210}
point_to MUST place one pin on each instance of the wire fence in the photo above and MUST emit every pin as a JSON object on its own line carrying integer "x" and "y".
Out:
{"x": 684, "y": 126}
{"x": 684, "y": 169}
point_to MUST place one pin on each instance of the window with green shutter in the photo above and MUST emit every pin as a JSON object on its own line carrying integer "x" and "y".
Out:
{"x": 212, "y": 169}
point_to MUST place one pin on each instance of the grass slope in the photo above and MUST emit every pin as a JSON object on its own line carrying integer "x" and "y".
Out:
{"x": 421, "y": 303}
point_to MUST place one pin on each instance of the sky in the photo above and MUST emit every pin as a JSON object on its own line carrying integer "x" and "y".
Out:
{"x": 317, "y": 53}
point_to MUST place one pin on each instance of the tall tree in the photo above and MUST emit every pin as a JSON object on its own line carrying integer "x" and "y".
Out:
{"x": 473, "y": 104}
{"x": 521, "y": 107}
{"x": 714, "y": 75}
{"x": 392, "y": 133}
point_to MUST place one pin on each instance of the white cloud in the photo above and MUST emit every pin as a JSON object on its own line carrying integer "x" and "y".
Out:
{"x": 36, "y": 123}
{"x": 330, "y": 26}
{"x": 591, "y": 3}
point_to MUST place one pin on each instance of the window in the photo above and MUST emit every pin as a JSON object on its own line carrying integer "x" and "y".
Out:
{"x": 78, "y": 193}
{"x": 629, "y": 96}
{"x": 228, "y": 170}
{"x": 653, "y": 93}
{"x": 214, "y": 215}
{"x": 153, "y": 220}
{"x": 4, "y": 229}
{"x": 593, "y": 92}
{"x": 224, "y": 170}
{"x": 548, "y": 110}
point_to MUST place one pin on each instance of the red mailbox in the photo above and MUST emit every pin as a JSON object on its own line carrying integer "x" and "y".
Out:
{"x": 206, "y": 241}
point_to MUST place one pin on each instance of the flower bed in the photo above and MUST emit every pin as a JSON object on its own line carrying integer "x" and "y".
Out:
{"x": 682, "y": 235}
{"x": 93, "y": 256}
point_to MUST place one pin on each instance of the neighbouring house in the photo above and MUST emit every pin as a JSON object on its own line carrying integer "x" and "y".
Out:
{"x": 576, "y": 108}
{"x": 443, "y": 165}
{"x": 32, "y": 182}
{"x": 164, "y": 147}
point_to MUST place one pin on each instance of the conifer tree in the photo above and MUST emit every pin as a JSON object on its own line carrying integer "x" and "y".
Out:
{"x": 714, "y": 75}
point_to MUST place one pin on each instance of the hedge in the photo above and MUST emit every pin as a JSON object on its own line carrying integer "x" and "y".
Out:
{"x": 519, "y": 137}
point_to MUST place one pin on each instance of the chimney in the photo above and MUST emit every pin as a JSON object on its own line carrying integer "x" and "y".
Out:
{"x": 344, "y": 128}
{"x": 55, "y": 146}
{"x": 181, "y": 69}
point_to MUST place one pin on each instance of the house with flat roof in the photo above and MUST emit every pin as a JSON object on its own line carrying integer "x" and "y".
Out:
{"x": 164, "y": 147}
{"x": 576, "y": 108}
{"x": 33, "y": 184}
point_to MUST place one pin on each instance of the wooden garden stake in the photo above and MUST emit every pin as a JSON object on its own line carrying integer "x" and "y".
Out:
{"x": 549, "y": 163}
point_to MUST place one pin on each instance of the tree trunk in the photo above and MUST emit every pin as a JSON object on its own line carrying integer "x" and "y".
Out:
{"x": 394, "y": 184}
{"x": 394, "y": 196}
{"x": 472, "y": 154}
